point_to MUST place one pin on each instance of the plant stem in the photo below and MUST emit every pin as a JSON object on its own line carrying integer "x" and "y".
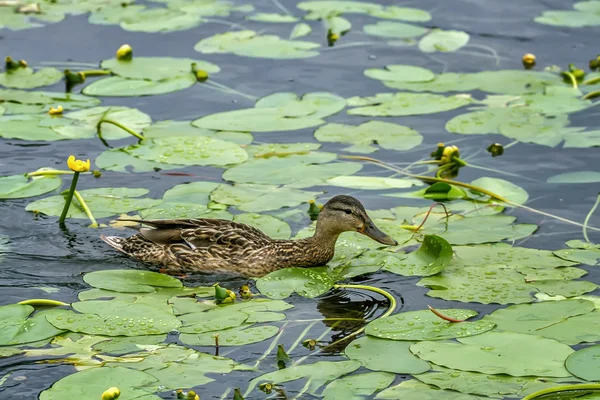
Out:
{"x": 577, "y": 389}
{"x": 587, "y": 218}
{"x": 302, "y": 335}
{"x": 571, "y": 77}
{"x": 468, "y": 186}
{"x": 115, "y": 123}
{"x": 304, "y": 389}
{"x": 382, "y": 292}
{"x": 96, "y": 72}
{"x": 591, "y": 95}
{"x": 61, "y": 220}
{"x": 52, "y": 172}
{"x": 591, "y": 81}
{"x": 86, "y": 209}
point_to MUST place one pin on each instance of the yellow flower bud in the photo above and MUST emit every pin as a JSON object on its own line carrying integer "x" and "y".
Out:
{"x": 125, "y": 53}
{"x": 22, "y": 63}
{"x": 192, "y": 395}
{"x": 528, "y": 61}
{"x": 78, "y": 165}
{"x": 201, "y": 75}
{"x": 56, "y": 111}
{"x": 111, "y": 394}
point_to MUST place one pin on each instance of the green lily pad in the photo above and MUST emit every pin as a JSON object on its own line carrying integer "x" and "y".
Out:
{"x": 586, "y": 14}
{"x": 432, "y": 257}
{"x": 394, "y": 30}
{"x": 103, "y": 202}
{"x": 300, "y": 30}
{"x": 337, "y": 25}
{"x": 372, "y": 182}
{"x": 201, "y": 150}
{"x": 582, "y": 140}
{"x": 307, "y": 282}
{"x": 120, "y": 345}
{"x": 119, "y": 160}
{"x": 296, "y": 171}
{"x": 442, "y": 83}
{"x": 272, "y": 17}
{"x": 364, "y": 137}
{"x": 568, "y": 321}
{"x": 575, "y": 177}
{"x": 493, "y": 352}
{"x": 20, "y": 186}
{"x": 583, "y": 256}
{"x": 116, "y": 86}
{"x": 276, "y": 112}
{"x": 404, "y": 103}
{"x": 357, "y": 386}
{"x": 443, "y": 41}
{"x": 192, "y": 192}
{"x": 252, "y": 44}
{"x": 413, "y": 389}
{"x": 27, "y": 78}
{"x": 17, "y": 328}
{"x": 503, "y": 188}
{"x": 156, "y": 68}
{"x": 113, "y": 14}
{"x": 400, "y": 73}
{"x": 439, "y": 191}
{"x": 584, "y": 363}
{"x": 274, "y": 227}
{"x": 322, "y": 9}
{"x": 172, "y": 210}
{"x": 318, "y": 374}
{"x": 91, "y": 383}
{"x": 258, "y": 198}
{"x": 402, "y": 13}
{"x": 34, "y": 102}
{"x": 425, "y": 325}
{"x": 86, "y": 125}
{"x": 231, "y": 337}
{"x": 160, "y": 20}
{"x": 386, "y": 355}
{"x": 168, "y": 128}
{"x": 212, "y": 320}
{"x": 130, "y": 281}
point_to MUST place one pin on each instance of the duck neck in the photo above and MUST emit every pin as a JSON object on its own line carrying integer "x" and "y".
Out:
{"x": 324, "y": 239}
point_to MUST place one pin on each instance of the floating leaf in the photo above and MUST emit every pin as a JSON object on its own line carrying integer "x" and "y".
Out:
{"x": 251, "y": 44}
{"x": 86, "y": 122}
{"x": 425, "y": 325}
{"x": 402, "y": 104}
{"x": 307, "y": 282}
{"x": 130, "y": 281}
{"x": 322, "y": 9}
{"x": 431, "y": 258}
{"x": 300, "y": 30}
{"x": 103, "y": 202}
{"x": 168, "y": 128}
{"x": 395, "y": 30}
{"x": 413, "y": 389}
{"x": 402, "y": 13}
{"x": 257, "y": 198}
{"x": 27, "y": 78}
{"x": 120, "y": 345}
{"x": 276, "y": 112}
{"x": 364, "y": 136}
{"x": 444, "y": 41}
{"x": 400, "y": 73}
{"x": 20, "y": 186}
{"x": 212, "y": 320}
{"x": 337, "y": 25}
{"x": 17, "y": 328}
{"x": 586, "y": 15}
{"x": 503, "y": 188}
{"x": 156, "y": 68}
{"x": 120, "y": 161}
{"x": 274, "y": 227}
{"x": 386, "y": 355}
{"x": 576, "y": 177}
{"x": 231, "y": 337}
{"x": 568, "y": 321}
{"x": 160, "y": 20}
{"x": 357, "y": 386}
{"x": 91, "y": 383}
{"x": 372, "y": 182}
{"x": 272, "y": 17}
{"x": 116, "y": 86}
{"x": 584, "y": 363}
{"x": 493, "y": 352}
{"x": 192, "y": 192}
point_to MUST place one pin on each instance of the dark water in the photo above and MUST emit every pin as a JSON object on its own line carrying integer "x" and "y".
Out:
{"x": 43, "y": 255}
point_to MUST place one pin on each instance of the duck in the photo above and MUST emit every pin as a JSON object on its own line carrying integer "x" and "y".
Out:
{"x": 206, "y": 245}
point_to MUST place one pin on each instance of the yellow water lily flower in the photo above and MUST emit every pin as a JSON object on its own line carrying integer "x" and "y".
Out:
{"x": 56, "y": 111}
{"x": 78, "y": 165}
{"x": 124, "y": 53}
{"x": 111, "y": 394}
{"x": 528, "y": 61}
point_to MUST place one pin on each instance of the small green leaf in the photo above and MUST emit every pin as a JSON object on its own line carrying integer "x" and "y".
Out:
{"x": 19, "y": 186}
{"x": 386, "y": 355}
{"x": 307, "y": 282}
{"x": 130, "y": 281}
{"x": 575, "y": 177}
{"x": 432, "y": 257}
{"x": 444, "y": 41}
{"x": 584, "y": 363}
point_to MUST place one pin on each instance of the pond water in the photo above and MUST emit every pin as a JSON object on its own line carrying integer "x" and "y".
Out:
{"x": 43, "y": 260}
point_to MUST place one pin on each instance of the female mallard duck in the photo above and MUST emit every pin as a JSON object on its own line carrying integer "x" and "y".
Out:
{"x": 222, "y": 246}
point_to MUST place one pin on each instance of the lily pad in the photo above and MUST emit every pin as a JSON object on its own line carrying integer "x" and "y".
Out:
{"x": 168, "y": 128}
{"x": 258, "y": 198}
{"x": 20, "y": 186}
{"x": 27, "y": 78}
{"x": 116, "y": 86}
{"x": 33, "y": 102}
{"x": 404, "y": 103}
{"x": 584, "y": 363}
{"x": 156, "y": 68}
{"x": 231, "y": 337}
{"x": 575, "y": 177}
{"x": 91, "y": 383}
{"x": 493, "y": 352}
{"x": 300, "y": 30}
{"x": 432, "y": 257}
{"x": 443, "y": 41}
{"x": 212, "y": 320}
{"x": 252, "y": 44}
{"x": 130, "y": 281}
{"x": 357, "y": 386}
{"x": 394, "y": 30}
{"x": 272, "y": 17}
{"x": 400, "y": 73}
{"x": 276, "y": 112}
{"x": 503, "y": 188}
{"x": 413, "y": 389}
{"x": 366, "y": 136}
{"x": 568, "y": 321}
{"x": 337, "y": 25}
{"x": 18, "y": 328}
{"x": 103, "y": 202}
{"x": 585, "y": 14}
{"x": 201, "y": 150}
{"x": 372, "y": 182}
{"x": 307, "y": 282}
{"x": 119, "y": 160}
{"x": 274, "y": 227}
{"x": 160, "y": 20}
{"x": 192, "y": 192}
{"x": 87, "y": 120}
{"x": 425, "y": 325}
{"x": 386, "y": 355}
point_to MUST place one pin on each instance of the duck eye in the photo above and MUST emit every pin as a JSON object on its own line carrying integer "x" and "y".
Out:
{"x": 348, "y": 211}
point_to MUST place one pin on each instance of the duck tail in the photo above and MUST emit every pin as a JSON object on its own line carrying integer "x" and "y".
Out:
{"x": 115, "y": 242}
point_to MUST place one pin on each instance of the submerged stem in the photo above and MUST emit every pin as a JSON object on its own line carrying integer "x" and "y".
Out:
{"x": 69, "y": 198}
{"x": 86, "y": 209}
{"x": 51, "y": 172}
{"x": 115, "y": 123}
{"x": 587, "y": 218}
{"x": 96, "y": 72}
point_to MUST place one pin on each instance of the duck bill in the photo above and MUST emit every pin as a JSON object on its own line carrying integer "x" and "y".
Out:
{"x": 369, "y": 229}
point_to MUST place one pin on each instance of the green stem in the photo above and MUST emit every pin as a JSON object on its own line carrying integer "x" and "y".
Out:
{"x": 271, "y": 347}
{"x": 577, "y": 390}
{"x": 382, "y": 292}
{"x": 301, "y": 336}
{"x": 587, "y": 218}
{"x": 325, "y": 333}
{"x": 591, "y": 81}
{"x": 511, "y": 144}
{"x": 571, "y": 77}
{"x": 86, "y": 209}
{"x": 51, "y": 172}
{"x": 61, "y": 220}
{"x": 96, "y": 72}
{"x": 591, "y": 95}
{"x": 468, "y": 186}
{"x": 227, "y": 89}
{"x": 43, "y": 303}
{"x": 304, "y": 389}
{"x": 115, "y": 123}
